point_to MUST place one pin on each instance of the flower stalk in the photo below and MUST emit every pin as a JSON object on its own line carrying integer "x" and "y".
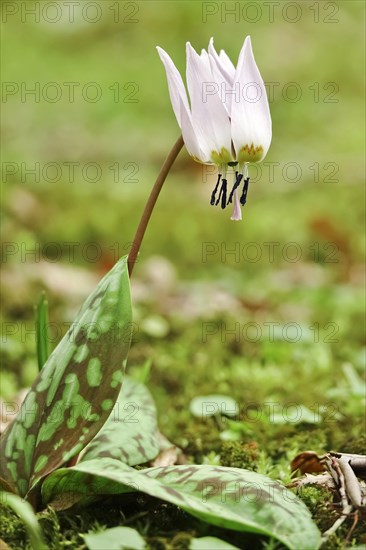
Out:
{"x": 149, "y": 207}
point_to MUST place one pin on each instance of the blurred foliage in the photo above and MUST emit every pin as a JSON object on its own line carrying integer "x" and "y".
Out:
{"x": 215, "y": 271}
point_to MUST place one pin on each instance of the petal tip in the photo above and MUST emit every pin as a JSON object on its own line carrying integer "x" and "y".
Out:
{"x": 247, "y": 41}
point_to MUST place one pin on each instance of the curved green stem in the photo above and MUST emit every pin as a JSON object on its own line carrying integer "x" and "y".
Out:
{"x": 140, "y": 232}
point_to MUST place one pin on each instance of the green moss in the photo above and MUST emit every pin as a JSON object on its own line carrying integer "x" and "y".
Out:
{"x": 325, "y": 512}
{"x": 12, "y": 529}
{"x": 315, "y": 498}
{"x": 200, "y": 439}
{"x": 356, "y": 445}
{"x": 239, "y": 455}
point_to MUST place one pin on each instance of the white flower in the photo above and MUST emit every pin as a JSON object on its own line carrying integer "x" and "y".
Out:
{"x": 228, "y": 121}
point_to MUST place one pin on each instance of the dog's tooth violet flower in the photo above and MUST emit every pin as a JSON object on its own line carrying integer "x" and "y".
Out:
{"x": 227, "y": 122}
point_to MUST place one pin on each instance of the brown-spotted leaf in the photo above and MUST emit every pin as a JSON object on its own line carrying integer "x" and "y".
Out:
{"x": 75, "y": 391}
{"x": 231, "y": 498}
{"x": 131, "y": 431}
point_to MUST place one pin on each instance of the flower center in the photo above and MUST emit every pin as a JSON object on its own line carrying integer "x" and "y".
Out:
{"x": 222, "y": 198}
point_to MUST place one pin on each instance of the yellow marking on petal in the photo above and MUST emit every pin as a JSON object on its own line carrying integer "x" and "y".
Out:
{"x": 222, "y": 157}
{"x": 250, "y": 153}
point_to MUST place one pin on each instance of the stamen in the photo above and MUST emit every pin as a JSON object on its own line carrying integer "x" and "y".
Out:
{"x": 213, "y": 194}
{"x": 238, "y": 178}
{"x": 243, "y": 198}
{"x": 224, "y": 190}
{"x": 222, "y": 194}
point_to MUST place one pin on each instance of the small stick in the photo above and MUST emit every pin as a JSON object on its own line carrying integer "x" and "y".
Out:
{"x": 352, "y": 527}
{"x": 324, "y": 480}
{"x": 338, "y": 477}
{"x": 346, "y": 511}
{"x": 352, "y": 485}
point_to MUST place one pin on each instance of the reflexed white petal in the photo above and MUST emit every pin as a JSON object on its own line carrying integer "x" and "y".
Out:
{"x": 223, "y": 62}
{"x": 190, "y": 137}
{"x": 224, "y": 87}
{"x": 209, "y": 116}
{"x": 176, "y": 87}
{"x": 228, "y": 64}
{"x": 222, "y": 76}
{"x": 250, "y": 117}
{"x": 178, "y": 97}
{"x": 241, "y": 54}
{"x": 223, "y": 71}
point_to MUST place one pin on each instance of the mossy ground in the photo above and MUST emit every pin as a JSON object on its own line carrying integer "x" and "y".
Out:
{"x": 179, "y": 372}
{"x": 221, "y": 314}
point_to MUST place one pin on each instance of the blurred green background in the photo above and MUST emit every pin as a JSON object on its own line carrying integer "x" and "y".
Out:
{"x": 218, "y": 305}
{"x": 314, "y": 198}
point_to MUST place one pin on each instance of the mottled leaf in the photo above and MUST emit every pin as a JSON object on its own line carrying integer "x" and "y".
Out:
{"x": 131, "y": 432}
{"x": 232, "y": 498}
{"x": 25, "y": 511}
{"x": 75, "y": 391}
{"x": 116, "y": 538}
